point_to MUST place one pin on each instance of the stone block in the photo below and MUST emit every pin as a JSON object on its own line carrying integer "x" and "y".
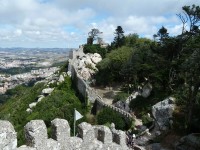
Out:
{"x": 119, "y": 137}
{"x": 104, "y": 135}
{"x": 8, "y": 136}
{"x": 86, "y": 132}
{"x": 36, "y": 133}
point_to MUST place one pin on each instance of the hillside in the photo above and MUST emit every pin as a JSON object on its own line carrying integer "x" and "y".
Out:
{"x": 60, "y": 104}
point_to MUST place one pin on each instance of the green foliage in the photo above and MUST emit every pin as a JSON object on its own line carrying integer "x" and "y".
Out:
{"x": 95, "y": 48}
{"x": 109, "y": 68}
{"x": 121, "y": 96}
{"x": 119, "y": 39}
{"x": 108, "y": 116}
{"x": 60, "y": 104}
{"x": 147, "y": 121}
{"x": 64, "y": 67}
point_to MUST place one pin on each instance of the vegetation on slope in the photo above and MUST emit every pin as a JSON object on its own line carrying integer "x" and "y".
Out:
{"x": 60, "y": 104}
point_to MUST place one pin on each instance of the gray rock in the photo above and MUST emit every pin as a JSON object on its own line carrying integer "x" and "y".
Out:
{"x": 162, "y": 112}
{"x": 146, "y": 91}
{"x": 47, "y": 91}
{"x": 28, "y": 110}
{"x": 32, "y": 104}
{"x": 40, "y": 98}
{"x": 96, "y": 58}
{"x": 61, "y": 79}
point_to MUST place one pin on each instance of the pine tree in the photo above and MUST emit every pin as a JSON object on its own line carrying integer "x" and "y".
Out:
{"x": 119, "y": 39}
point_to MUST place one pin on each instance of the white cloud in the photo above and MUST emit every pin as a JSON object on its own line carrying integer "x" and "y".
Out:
{"x": 65, "y": 23}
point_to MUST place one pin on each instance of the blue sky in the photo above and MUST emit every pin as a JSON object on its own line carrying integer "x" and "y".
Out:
{"x": 65, "y": 23}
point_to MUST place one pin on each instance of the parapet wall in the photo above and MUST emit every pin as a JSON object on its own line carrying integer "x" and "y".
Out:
{"x": 89, "y": 137}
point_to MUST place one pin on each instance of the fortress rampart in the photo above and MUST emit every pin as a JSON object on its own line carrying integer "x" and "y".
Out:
{"x": 85, "y": 90}
{"x": 88, "y": 137}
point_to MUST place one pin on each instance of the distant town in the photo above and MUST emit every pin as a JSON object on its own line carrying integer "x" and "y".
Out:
{"x": 22, "y": 65}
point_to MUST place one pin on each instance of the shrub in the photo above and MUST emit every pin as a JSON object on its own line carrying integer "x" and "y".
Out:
{"x": 108, "y": 116}
{"x": 95, "y": 48}
{"x": 147, "y": 121}
{"x": 121, "y": 96}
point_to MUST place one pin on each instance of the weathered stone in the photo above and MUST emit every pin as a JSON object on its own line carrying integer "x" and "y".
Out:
{"x": 28, "y": 110}
{"x": 96, "y": 58}
{"x": 40, "y": 98}
{"x": 36, "y": 133}
{"x": 31, "y": 105}
{"x": 73, "y": 143}
{"x": 86, "y": 132}
{"x": 119, "y": 137}
{"x": 60, "y": 131}
{"x": 146, "y": 91}
{"x": 61, "y": 78}
{"x": 24, "y": 147}
{"x": 47, "y": 91}
{"x": 51, "y": 145}
{"x": 162, "y": 112}
{"x": 104, "y": 134}
{"x": 8, "y": 137}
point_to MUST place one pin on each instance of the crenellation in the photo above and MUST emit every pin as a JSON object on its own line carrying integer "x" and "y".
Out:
{"x": 86, "y": 131}
{"x": 60, "y": 129}
{"x": 119, "y": 137}
{"x": 35, "y": 133}
{"x": 104, "y": 135}
{"x": 90, "y": 137}
{"x": 8, "y": 136}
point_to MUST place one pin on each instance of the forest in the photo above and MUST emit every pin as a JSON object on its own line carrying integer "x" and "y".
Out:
{"x": 170, "y": 63}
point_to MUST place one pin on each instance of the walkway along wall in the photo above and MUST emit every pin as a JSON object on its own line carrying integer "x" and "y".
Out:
{"x": 88, "y": 93}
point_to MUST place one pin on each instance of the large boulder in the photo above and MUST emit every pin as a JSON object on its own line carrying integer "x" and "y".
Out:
{"x": 162, "y": 112}
{"x": 96, "y": 58}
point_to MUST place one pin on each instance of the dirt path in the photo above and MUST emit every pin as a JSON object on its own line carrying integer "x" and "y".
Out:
{"x": 107, "y": 93}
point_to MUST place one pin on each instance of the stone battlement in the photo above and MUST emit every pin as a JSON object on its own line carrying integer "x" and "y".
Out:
{"x": 88, "y": 137}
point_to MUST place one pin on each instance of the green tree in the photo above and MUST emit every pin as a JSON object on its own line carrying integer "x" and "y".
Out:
{"x": 119, "y": 39}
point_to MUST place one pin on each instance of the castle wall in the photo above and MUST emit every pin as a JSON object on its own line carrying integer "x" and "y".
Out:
{"x": 87, "y": 92}
{"x": 89, "y": 137}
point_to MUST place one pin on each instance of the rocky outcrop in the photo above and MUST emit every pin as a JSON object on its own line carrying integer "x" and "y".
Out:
{"x": 89, "y": 137}
{"x": 86, "y": 65}
{"x": 162, "y": 113}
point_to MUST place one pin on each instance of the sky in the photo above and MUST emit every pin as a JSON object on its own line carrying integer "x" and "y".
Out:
{"x": 66, "y": 23}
